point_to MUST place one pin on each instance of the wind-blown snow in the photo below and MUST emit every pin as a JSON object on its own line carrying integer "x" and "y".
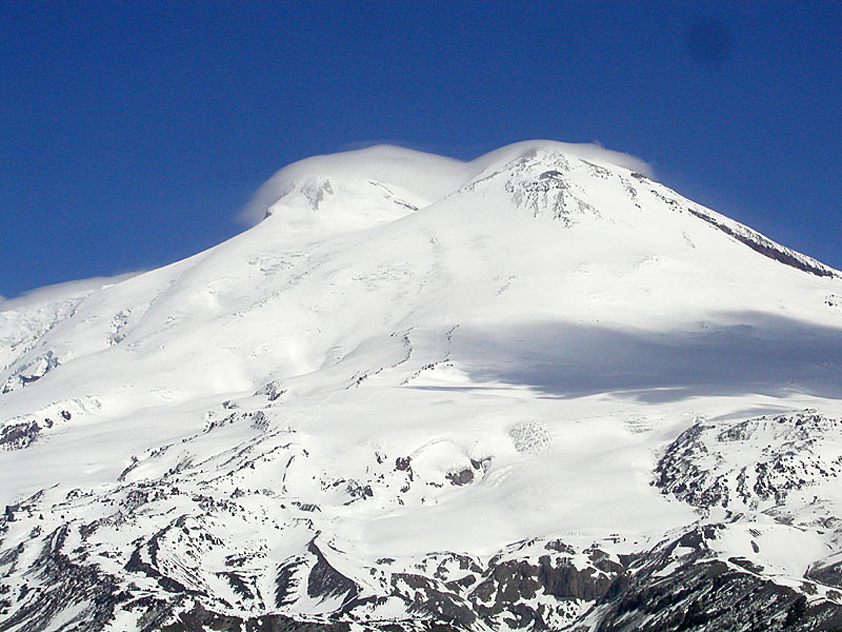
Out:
{"x": 60, "y": 291}
{"x": 426, "y": 176}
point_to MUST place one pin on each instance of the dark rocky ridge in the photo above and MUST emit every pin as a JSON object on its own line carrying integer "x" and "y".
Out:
{"x": 768, "y": 248}
{"x": 703, "y": 593}
{"x": 679, "y": 585}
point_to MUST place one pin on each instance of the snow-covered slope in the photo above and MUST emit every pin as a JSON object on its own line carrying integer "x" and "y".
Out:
{"x": 519, "y": 392}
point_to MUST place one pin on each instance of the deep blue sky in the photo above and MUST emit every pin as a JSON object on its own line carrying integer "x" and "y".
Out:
{"x": 131, "y": 133}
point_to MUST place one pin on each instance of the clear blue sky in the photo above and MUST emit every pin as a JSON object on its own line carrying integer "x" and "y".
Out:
{"x": 131, "y": 133}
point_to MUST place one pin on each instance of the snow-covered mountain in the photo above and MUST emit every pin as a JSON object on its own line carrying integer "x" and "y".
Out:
{"x": 538, "y": 390}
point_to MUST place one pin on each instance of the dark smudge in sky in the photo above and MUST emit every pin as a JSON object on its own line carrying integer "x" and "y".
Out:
{"x": 710, "y": 41}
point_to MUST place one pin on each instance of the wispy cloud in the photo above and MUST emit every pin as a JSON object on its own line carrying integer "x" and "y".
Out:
{"x": 61, "y": 291}
{"x": 413, "y": 167}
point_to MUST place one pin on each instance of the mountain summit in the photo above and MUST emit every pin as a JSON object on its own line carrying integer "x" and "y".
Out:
{"x": 538, "y": 390}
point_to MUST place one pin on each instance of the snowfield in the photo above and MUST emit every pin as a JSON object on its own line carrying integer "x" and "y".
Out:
{"x": 538, "y": 390}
